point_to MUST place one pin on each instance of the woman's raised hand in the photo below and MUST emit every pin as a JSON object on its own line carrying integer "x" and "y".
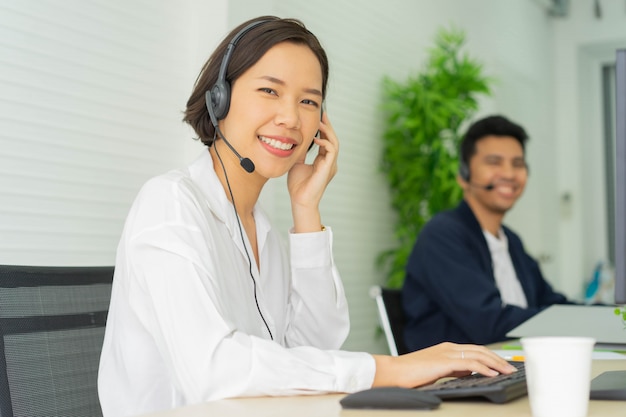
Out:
{"x": 307, "y": 182}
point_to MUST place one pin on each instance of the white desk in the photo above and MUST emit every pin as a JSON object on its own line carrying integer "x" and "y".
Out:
{"x": 328, "y": 406}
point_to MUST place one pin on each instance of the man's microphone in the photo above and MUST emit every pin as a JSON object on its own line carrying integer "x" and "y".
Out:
{"x": 487, "y": 187}
{"x": 246, "y": 163}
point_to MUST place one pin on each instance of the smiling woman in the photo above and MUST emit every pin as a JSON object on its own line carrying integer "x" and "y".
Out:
{"x": 207, "y": 303}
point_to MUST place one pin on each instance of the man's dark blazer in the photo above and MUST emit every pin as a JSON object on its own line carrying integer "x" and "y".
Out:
{"x": 450, "y": 292}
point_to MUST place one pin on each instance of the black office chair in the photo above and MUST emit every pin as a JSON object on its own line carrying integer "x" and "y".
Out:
{"x": 51, "y": 331}
{"x": 391, "y": 315}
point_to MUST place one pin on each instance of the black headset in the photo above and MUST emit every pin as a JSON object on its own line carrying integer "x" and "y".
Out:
{"x": 464, "y": 171}
{"x": 218, "y": 97}
{"x": 217, "y": 103}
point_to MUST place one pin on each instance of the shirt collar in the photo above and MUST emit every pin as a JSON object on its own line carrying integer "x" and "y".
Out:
{"x": 203, "y": 174}
{"x": 496, "y": 243}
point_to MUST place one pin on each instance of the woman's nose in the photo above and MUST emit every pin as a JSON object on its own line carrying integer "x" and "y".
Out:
{"x": 287, "y": 115}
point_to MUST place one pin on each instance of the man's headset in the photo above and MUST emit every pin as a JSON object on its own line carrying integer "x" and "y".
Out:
{"x": 464, "y": 173}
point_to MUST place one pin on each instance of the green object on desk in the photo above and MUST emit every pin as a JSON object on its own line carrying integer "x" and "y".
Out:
{"x": 519, "y": 347}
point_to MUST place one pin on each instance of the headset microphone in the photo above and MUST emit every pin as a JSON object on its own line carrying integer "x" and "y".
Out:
{"x": 487, "y": 187}
{"x": 246, "y": 163}
{"x": 217, "y": 101}
{"x": 464, "y": 173}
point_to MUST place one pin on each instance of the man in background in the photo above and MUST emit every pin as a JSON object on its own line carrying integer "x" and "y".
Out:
{"x": 469, "y": 279}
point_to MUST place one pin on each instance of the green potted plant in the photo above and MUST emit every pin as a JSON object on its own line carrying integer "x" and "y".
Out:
{"x": 421, "y": 138}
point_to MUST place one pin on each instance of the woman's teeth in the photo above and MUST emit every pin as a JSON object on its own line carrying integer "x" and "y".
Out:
{"x": 276, "y": 144}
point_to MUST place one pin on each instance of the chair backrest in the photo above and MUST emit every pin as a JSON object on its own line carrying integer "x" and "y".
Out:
{"x": 51, "y": 331}
{"x": 391, "y": 315}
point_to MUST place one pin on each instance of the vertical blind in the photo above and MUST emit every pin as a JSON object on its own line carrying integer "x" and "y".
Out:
{"x": 90, "y": 107}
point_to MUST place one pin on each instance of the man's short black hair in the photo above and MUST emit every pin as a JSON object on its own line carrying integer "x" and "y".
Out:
{"x": 489, "y": 126}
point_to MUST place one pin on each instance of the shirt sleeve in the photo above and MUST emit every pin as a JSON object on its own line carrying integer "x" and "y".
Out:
{"x": 317, "y": 301}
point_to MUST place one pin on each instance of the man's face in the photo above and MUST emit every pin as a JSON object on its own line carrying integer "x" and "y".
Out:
{"x": 499, "y": 162}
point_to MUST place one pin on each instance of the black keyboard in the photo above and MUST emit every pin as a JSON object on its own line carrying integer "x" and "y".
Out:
{"x": 498, "y": 389}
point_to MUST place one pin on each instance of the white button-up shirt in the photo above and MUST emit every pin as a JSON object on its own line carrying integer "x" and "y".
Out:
{"x": 183, "y": 324}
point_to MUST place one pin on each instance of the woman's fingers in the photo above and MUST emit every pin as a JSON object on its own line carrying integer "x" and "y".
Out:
{"x": 446, "y": 359}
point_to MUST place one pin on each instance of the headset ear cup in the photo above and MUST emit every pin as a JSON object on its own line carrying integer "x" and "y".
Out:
{"x": 464, "y": 171}
{"x": 220, "y": 99}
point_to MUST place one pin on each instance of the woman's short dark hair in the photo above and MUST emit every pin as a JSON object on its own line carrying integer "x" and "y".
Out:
{"x": 249, "y": 49}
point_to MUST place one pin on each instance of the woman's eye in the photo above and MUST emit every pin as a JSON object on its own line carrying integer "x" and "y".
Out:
{"x": 310, "y": 102}
{"x": 267, "y": 90}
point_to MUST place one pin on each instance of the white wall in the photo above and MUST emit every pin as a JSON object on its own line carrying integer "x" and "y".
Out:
{"x": 91, "y": 94}
{"x": 582, "y": 43}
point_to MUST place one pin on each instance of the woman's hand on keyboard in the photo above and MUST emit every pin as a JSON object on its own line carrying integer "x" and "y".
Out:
{"x": 428, "y": 365}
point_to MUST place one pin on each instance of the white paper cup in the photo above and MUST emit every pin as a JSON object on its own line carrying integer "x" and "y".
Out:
{"x": 558, "y": 374}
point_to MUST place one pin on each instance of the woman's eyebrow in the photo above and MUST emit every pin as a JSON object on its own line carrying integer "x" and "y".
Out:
{"x": 281, "y": 82}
